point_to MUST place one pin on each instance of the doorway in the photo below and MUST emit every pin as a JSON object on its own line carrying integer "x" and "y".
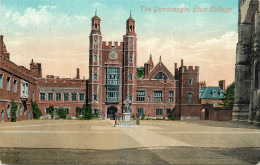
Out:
{"x": 111, "y": 113}
{"x": 3, "y": 116}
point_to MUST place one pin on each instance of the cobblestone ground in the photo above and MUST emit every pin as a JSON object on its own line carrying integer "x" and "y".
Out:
{"x": 155, "y": 142}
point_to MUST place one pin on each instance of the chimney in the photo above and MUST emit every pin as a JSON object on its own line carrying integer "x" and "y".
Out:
{"x": 222, "y": 84}
{"x": 78, "y": 75}
{"x": 181, "y": 62}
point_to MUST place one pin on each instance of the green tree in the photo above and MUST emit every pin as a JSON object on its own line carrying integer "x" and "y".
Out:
{"x": 36, "y": 110}
{"x": 229, "y": 97}
{"x": 13, "y": 111}
{"x": 87, "y": 112}
{"x": 62, "y": 113}
{"x": 140, "y": 72}
{"x": 78, "y": 111}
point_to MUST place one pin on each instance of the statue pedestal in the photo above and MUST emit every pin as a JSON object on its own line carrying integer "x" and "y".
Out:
{"x": 126, "y": 118}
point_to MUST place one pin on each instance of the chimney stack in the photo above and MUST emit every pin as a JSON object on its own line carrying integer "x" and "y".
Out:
{"x": 78, "y": 75}
{"x": 222, "y": 84}
{"x": 1, "y": 44}
{"x": 181, "y": 62}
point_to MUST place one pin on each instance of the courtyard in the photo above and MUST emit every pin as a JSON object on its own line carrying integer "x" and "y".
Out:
{"x": 154, "y": 142}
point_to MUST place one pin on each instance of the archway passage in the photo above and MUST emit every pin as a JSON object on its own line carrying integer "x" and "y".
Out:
{"x": 111, "y": 113}
{"x": 3, "y": 115}
{"x": 206, "y": 114}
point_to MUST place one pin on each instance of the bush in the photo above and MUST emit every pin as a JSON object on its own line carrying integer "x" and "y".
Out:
{"x": 36, "y": 110}
{"x": 170, "y": 117}
{"x": 143, "y": 117}
{"x": 13, "y": 111}
{"x": 87, "y": 113}
{"x": 78, "y": 111}
{"x": 62, "y": 113}
{"x": 96, "y": 115}
{"x": 52, "y": 111}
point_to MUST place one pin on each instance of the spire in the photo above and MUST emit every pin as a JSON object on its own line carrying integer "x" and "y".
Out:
{"x": 130, "y": 14}
{"x": 96, "y": 12}
{"x": 160, "y": 59}
{"x": 150, "y": 55}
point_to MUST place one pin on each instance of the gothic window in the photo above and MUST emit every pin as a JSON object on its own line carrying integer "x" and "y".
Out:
{"x": 15, "y": 85}
{"x": 17, "y": 111}
{"x": 157, "y": 96}
{"x": 95, "y": 98}
{"x": 150, "y": 98}
{"x": 9, "y": 110}
{"x": 141, "y": 95}
{"x": 112, "y": 84}
{"x": 160, "y": 76}
{"x": 131, "y": 28}
{"x": 1, "y": 80}
{"x": 257, "y": 75}
{"x": 95, "y": 76}
{"x": 8, "y": 83}
{"x": 95, "y": 25}
{"x": 21, "y": 110}
{"x": 95, "y": 58}
{"x": 130, "y": 77}
{"x": 131, "y": 97}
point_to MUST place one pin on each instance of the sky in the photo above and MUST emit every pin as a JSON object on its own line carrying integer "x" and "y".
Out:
{"x": 56, "y": 33}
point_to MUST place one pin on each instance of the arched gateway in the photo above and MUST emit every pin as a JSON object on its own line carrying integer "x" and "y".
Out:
{"x": 111, "y": 112}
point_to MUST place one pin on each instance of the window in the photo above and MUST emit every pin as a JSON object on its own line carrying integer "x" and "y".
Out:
{"x": 112, "y": 84}
{"x": 190, "y": 98}
{"x": 96, "y": 111}
{"x": 157, "y": 96}
{"x": 161, "y": 76}
{"x": 15, "y": 85}
{"x": 24, "y": 89}
{"x": 1, "y": 80}
{"x": 82, "y": 97}
{"x": 42, "y": 96}
{"x": 8, "y": 83}
{"x": 95, "y": 98}
{"x": 159, "y": 111}
{"x": 58, "y": 96}
{"x": 130, "y": 77}
{"x": 150, "y": 98}
{"x": 131, "y": 58}
{"x": 74, "y": 96}
{"x": 95, "y": 76}
{"x": 17, "y": 111}
{"x": 21, "y": 110}
{"x": 9, "y": 110}
{"x": 141, "y": 95}
{"x": 171, "y": 96}
{"x": 95, "y": 57}
{"x": 190, "y": 81}
{"x": 140, "y": 111}
{"x": 169, "y": 111}
{"x": 67, "y": 110}
{"x": 50, "y": 96}
{"x": 66, "y": 97}
{"x": 216, "y": 103}
{"x": 131, "y": 97}
{"x": 208, "y": 102}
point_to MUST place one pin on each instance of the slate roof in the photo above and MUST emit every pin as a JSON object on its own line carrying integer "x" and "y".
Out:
{"x": 211, "y": 93}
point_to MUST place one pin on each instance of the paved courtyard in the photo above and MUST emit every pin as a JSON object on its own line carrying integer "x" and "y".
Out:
{"x": 155, "y": 142}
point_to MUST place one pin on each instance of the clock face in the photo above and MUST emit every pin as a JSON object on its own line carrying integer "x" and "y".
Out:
{"x": 113, "y": 55}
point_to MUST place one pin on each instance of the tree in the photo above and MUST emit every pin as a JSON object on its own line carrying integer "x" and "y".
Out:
{"x": 62, "y": 113}
{"x": 140, "y": 72}
{"x": 78, "y": 111}
{"x": 36, "y": 110}
{"x": 229, "y": 97}
{"x": 87, "y": 112}
{"x": 13, "y": 111}
{"x": 52, "y": 110}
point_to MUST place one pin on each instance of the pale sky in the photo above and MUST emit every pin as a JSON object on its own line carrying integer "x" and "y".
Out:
{"x": 56, "y": 33}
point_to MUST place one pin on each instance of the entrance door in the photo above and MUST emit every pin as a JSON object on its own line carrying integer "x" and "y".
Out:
{"x": 206, "y": 114}
{"x": 3, "y": 115}
{"x": 111, "y": 113}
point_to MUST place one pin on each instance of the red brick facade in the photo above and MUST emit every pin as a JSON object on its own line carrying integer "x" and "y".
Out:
{"x": 113, "y": 78}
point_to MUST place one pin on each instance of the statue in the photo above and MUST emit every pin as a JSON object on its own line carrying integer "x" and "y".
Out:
{"x": 127, "y": 105}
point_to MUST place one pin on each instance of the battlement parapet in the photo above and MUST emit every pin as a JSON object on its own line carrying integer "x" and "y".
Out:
{"x": 108, "y": 45}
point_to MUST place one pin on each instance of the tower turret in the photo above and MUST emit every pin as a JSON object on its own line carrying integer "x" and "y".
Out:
{"x": 95, "y": 29}
{"x": 130, "y": 26}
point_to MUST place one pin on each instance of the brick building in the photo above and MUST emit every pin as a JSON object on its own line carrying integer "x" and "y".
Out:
{"x": 113, "y": 78}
